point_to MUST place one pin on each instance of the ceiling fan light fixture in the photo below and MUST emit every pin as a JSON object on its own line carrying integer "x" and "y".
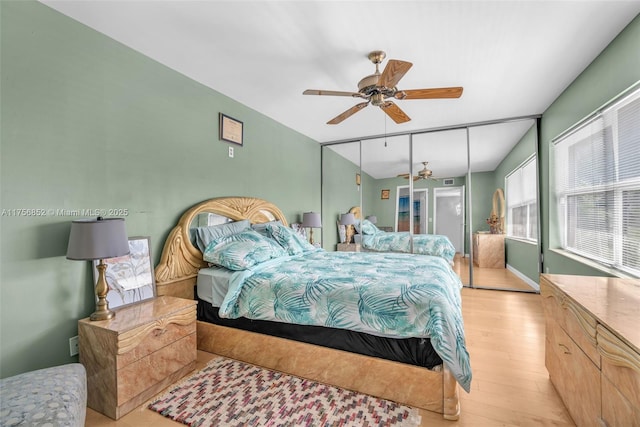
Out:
{"x": 377, "y": 99}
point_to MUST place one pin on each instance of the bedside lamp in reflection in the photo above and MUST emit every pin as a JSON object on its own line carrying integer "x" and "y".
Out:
{"x": 311, "y": 220}
{"x": 348, "y": 220}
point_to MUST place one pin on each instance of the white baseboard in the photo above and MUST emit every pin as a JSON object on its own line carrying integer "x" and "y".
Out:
{"x": 524, "y": 278}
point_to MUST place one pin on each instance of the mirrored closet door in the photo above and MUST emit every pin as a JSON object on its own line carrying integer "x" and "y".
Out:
{"x": 504, "y": 236}
{"x": 440, "y": 166}
{"x": 475, "y": 184}
{"x": 342, "y": 186}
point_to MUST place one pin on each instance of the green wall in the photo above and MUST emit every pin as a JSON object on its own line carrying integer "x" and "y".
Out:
{"x": 613, "y": 71}
{"x": 88, "y": 123}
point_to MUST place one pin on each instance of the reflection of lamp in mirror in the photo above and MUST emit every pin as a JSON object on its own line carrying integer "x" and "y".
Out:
{"x": 98, "y": 239}
{"x": 348, "y": 220}
{"x": 311, "y": 220}
{"x": 372, "y": 219}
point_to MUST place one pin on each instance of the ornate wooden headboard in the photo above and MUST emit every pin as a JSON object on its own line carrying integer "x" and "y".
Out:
{"x": 180, "y": 261}
{"x": 356, "y": 211}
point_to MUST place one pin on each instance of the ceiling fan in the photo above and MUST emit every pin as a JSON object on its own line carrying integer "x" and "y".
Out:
{"x": 425, "y": 173}
{"x": 378, "y": 87}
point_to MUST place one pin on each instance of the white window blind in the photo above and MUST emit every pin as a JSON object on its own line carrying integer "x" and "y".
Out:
{"x": 521, "y": 201}
{"x": 597, "y": 183}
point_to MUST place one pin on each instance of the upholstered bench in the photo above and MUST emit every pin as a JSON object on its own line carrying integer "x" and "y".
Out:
{"x": 54, "y": 396}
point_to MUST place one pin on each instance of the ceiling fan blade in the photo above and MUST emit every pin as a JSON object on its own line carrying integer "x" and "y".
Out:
{"x": 403, "y": 175}
{"x": 393, "y": 111}
{"x": 351, "y": 111}
{"x": 331, "y": 93}
{"x": 435, "y": 93}
{"x": 393, "y": 72}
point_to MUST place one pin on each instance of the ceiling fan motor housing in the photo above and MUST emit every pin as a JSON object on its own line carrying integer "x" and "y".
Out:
{"x": 368, "y": 83}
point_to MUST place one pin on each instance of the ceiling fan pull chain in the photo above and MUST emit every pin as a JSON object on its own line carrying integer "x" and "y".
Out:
{"x": 385, "y": 130}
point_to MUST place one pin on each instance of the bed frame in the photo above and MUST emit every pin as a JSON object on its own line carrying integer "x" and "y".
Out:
{"x": 433, "y": 390}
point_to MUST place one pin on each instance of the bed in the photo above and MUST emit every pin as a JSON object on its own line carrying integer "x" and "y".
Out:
{"x": 234, "y": 323}
{"x": 372, "y": 239}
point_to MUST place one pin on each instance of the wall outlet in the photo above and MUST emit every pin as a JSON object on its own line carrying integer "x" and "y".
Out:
{"x": 73, "y": 345}
{"x": 231, "y": 152}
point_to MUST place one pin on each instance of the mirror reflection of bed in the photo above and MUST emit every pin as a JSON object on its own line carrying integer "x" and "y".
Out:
{"x": 343, "y": 355}
{"x": 475, "y": 159}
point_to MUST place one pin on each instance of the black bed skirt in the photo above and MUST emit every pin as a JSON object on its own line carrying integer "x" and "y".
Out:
{"x": 413, "y": 351}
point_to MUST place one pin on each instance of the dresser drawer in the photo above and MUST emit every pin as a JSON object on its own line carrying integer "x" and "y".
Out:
{"x": 574, "y": 375}
{"x": 144, "y": 340}
{"x": 621, "y": 370}
{"x": 618, "y": 409}
{"x": 576, "y": 321}
{"x": 143, "y": 374}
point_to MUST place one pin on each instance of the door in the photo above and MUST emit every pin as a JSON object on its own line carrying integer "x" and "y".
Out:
{"x": 449, "y": 215}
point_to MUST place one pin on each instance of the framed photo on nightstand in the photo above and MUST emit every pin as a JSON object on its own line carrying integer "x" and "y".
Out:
{"x": 130, "y": 277}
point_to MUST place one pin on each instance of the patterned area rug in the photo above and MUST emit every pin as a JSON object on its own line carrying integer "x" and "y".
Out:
{"x": 232, "y": 393}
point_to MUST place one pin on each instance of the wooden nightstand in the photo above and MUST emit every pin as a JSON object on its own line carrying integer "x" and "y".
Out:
{"x": 348, "y": 247}
{"x": 488, "y": 250}
{"x": 132, "y": 357}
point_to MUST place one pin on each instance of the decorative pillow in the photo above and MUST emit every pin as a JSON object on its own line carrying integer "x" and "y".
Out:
{"x": 262, "y": 227}
{"x": 204, "y": 235}
{"x": 242, "y": 250}
{"x": 292, "y": 242}
{"x": 368, "y": 227}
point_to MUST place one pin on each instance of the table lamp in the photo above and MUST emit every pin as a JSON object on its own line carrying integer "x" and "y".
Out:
{"x": 348, "y": 220}
{"x": 311, "y": 220}
{"x": 98, "y": 239}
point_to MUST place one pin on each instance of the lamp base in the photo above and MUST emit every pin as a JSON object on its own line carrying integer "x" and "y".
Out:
{"x": 102, "y": 306}
{"x": 102, "y": 315}
{"x": 350, "y": 232}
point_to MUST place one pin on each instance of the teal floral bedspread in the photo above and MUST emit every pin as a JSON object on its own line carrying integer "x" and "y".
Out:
{"x": 424, "y": 244}
{"x": 387, "y": 294}
{"x": 376, "y": 240}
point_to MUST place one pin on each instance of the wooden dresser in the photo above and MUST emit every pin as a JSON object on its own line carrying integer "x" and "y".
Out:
{"x": 488, "y": 250}
{"x": 132, "y": 357}
{"x": 593, "y": 347}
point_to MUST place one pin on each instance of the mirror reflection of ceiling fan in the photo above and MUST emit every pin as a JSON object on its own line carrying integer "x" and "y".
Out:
{"x": 377, "y": 88}
{"x": 425, "y": 173}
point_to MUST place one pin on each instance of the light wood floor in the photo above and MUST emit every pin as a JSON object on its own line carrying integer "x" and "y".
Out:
{"x": 495, "y": 278}
{"x": 511, "y": 387}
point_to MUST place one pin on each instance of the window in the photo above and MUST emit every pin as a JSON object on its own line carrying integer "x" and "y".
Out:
{"x": 522, "y": 206}
{"x": 597, "y": 183}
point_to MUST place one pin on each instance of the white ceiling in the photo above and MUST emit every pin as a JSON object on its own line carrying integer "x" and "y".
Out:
{"x": 513, "y": 58}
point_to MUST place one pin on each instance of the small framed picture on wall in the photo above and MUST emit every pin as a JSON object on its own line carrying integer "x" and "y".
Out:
{"x": 384, "y": 194}
{"x": 231, "y": 129}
